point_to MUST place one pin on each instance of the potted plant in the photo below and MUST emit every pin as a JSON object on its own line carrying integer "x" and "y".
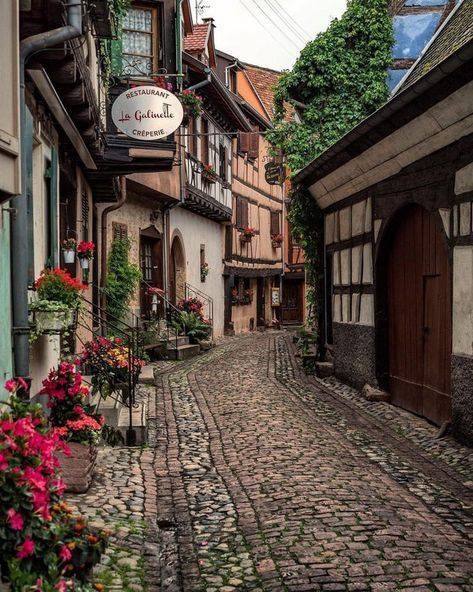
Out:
{"x": 248, "y": 296}
{"x": 85, "y": 252}
{"x": 235, "y": 299}
{"x": 58, "y": 297}
{"x": 276, "y": 240}
{"x": 192, "y": 305}
{"x": 209, "y": 174}
{"x": 69, "y": 246}
{"x": 247, "y": 234}
{"x": 204, "y": 271}
{"x": 74, "y": 420}
{"x": 192, "y": 104}
{"x": 192, "y": 325}
{"x": 111, "y": 364}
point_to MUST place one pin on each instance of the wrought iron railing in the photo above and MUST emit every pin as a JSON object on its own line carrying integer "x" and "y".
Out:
{"x": 96, "y": 321}
{"x": 208, "y": 302}
{"x": 161, "y": 311}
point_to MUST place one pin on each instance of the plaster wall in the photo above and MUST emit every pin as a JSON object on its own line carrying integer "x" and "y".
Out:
{"x": 196, "y": 231}
{"x": 463, "y": 300}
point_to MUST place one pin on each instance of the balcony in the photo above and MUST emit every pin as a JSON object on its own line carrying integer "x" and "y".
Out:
{"x": 211, "y": 198}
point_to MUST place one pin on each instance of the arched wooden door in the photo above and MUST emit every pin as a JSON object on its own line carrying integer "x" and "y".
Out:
{"x": 419, "y": 305}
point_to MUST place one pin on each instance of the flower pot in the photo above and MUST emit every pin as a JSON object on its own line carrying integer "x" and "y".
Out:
{"x": 69, "y": 256}
{"x": 276, "y": 244}
{"x": 53, "y": 321}
{"x": 210, "y": 179}
{"x": 84, "y": 262}
{"x": 77, "y": 469}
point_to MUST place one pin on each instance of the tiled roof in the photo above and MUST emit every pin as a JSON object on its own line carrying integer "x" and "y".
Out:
{"x": 264, "y": 80}
{"x": 197, "y": 41}
{"x": 456, "y": 32}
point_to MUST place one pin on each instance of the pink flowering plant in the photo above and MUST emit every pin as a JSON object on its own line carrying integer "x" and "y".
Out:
{"x": 71, "y": 416}
{"x": 38, "y": 535}
{"x": 191, "y": 305}
{"x": 110, "y": 363}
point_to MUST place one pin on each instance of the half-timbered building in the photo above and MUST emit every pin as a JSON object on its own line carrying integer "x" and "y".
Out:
{"x": 397, "y": 194}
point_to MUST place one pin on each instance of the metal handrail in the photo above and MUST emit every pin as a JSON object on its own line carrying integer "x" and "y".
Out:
{"x": 131, "y": 337}
{"x": 170, "y": 310}
{"x": 192, "y": 290}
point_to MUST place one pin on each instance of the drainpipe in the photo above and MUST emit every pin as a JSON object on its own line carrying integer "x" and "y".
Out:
{"x": 19, "y": 223}
{"x": 227, "y": 75}
{"x": 103, "y": 241}
{"x": 208, "y": 73}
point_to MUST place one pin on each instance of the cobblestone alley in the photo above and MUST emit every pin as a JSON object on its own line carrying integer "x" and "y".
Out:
{"x": 270, "y": 480}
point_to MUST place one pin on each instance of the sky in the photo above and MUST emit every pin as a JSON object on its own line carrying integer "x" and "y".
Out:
{"x": 261, "y": 32}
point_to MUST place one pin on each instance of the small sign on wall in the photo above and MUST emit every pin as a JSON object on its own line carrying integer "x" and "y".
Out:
{"x": 275, "y": 297}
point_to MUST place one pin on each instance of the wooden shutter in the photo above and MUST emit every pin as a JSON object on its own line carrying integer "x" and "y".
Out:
{"x": 223, "y": 162}
{"x": 253, "y": 152}
{"x": 275, "y": 226}
{"x": 119, "y": 231}
{"x": 242, "y": 213}
{"x": 244, "y": 142}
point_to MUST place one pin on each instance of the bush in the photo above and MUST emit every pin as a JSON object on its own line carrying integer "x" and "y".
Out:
{"x": 57, "y": 285}
{"x": 38, "y": 534}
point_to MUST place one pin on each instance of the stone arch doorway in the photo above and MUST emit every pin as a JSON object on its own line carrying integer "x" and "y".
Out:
{"x": 177, "y": 271}
{"x": 414, "y": 314}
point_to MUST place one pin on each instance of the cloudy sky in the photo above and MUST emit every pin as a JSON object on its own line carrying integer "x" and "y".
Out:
{"x": 262, "y": 32}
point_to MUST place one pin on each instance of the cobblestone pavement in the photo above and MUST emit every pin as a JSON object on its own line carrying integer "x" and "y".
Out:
{"x": 269, "y": 480}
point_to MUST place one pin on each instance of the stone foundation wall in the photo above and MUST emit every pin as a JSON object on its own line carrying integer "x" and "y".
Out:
{"x": 354, "y": 353}
{"x": 462, "y": 398}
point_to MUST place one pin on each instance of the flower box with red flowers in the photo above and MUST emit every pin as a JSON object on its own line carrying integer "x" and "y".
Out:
{"x": 277, "y": 240}
{"x": 247, "y": 234}
{"x": 58, "y": 297}
{"x": 209, "y": 174}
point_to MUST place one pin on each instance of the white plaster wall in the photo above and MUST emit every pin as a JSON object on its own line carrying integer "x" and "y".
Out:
{"x": 197, "y": 230}
{"x": 464, "y": 179}
{"x": 463, "y": 300}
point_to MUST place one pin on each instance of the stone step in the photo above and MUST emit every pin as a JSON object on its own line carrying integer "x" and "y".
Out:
{"x": 147, "y": 375}
{"x": 110, "y": 408}
{"x": 180, "y": 340}
{"x": 139, "y": 419}
{"x": 183, "y": 352}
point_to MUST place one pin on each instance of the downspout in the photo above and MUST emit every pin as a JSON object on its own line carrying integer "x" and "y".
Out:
{"x": 19, "y": 223}
{"x": 179, "y": 43}
{"x": 103, "y": 241}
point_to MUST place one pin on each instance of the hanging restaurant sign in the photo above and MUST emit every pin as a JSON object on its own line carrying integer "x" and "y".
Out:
{"x": 147, "y": 113}
{"x": 275, "y": 174}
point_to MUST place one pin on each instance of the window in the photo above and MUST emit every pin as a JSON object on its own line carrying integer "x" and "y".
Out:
{"x": 204, "y": 141}
{"x": 222, "y": 160}
{"x": 412, "y": 32}
{"x": 275, "y": 226}
{"x": 139, "y": 41}
{"x": 119, "y": 231}
{"x": 241, "y": 212}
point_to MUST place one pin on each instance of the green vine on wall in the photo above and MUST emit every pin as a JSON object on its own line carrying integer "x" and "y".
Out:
{"x": 122, "y": 279}
{"x": 338, "y": 80}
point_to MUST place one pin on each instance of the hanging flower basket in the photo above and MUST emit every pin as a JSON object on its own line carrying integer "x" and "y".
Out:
{"x": 247, "y": 234}
{"x": 69, "y": 256}
{"x": 191, "y": 102}
{"x": 69, "y": 246}
{"x": 85, "y": 252}
{"x": 53, "y": 321}
{"x": 84, "y": 262}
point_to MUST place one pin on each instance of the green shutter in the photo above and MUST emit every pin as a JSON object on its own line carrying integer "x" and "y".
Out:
{"x": 53, "y": 248}
{"x": 116, "y": 49}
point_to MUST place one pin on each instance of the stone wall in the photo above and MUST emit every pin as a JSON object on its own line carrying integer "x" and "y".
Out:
{"x": 462, "y": 398}
{"x": 354, "y": 351}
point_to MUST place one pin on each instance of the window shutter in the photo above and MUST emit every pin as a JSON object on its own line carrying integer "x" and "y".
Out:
{"x": 275, "y": 227}
{"x": 119, "y": 231}
{"x": 244, "y": 213}
{"x": 253, "y": 152}
{"x": 244, "y": 142}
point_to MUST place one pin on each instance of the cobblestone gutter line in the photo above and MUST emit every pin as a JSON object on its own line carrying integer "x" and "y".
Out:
{"x": 217, "y": 542}
{"x": 404, "y": 470}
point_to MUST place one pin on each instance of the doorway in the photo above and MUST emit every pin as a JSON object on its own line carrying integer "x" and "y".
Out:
{"x": 419, "y": 312}
{"x": 177, "y": 271}
{"x": 293, "y": 302}
{"x": 151, "y": 263}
